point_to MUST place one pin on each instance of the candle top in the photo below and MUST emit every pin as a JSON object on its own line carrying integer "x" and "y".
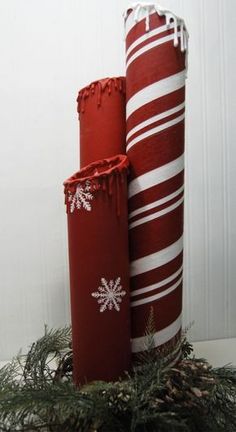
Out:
{"x": 99, "y": 87}
{"x": 137, "y": 11}
{"x": 143, "y": 10}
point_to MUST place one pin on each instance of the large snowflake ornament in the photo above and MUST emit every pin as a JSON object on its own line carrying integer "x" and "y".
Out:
{"x": 109, "y": 294}
{"x": 81, "y": 198}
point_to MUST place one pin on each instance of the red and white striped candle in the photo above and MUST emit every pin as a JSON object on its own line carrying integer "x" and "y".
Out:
{"x": 156, "y": 50}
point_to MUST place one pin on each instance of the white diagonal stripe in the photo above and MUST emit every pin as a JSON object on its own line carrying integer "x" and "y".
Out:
{"x": 158, "y": 295}
{"x": 148, "y": 35}
{"x": 155, "y": 130}
{"x": 159, "y": 338}
{"x": 155, "y": 91}
{"x": 156, "y": 176}
{"x": 156, "y": 215}
{"x": 155, "y": 119}
{"x": 156, "y": 203}
{"x": 157, "y": 259}
{"x": 157, "y": 285}
{"x": 151, "y": 45}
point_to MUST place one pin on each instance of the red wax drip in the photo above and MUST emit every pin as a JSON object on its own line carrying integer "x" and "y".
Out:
{"x": 106, "y": 84}
{"x": 103, "y": 175}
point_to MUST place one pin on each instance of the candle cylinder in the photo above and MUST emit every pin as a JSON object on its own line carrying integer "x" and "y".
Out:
{"x": 156, "y": 44}
{"x": 101, "y": 108}
{"x": 96, "y": 200}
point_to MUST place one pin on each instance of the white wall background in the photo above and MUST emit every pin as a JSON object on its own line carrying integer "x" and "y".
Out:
{"x": 48, "y": 50}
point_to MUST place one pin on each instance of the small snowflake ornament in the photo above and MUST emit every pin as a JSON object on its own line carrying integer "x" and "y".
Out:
{"x": 81, "y": 198}
{"x": 109, "y": 294}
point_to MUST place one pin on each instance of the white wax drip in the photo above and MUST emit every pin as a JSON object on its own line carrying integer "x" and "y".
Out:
{"x": 148, "y": 8}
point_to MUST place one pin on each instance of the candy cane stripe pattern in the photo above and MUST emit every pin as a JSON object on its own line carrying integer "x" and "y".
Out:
{"x": 156, "y": 63}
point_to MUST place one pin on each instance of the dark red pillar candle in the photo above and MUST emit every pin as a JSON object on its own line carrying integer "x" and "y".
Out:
{"x": 96, "y": 200}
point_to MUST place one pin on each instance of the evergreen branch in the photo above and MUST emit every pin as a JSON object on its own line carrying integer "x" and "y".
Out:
{"x": 37, "y": 369}
{"x": 189, "y": 397}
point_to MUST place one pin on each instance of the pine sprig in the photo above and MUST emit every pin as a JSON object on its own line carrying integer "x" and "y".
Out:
{"x": 51, "y": 347}
{"x": 38, "y": 395}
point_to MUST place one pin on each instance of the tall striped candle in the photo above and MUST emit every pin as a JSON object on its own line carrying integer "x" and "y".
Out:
{"x": 156, "y": 46}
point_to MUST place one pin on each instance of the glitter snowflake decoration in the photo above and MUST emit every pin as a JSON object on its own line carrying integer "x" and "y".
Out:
{"x": 81, "y": 198}
{"x": 109, "y": 295}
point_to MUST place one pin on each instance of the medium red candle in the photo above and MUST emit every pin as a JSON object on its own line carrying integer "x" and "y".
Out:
{"x": 101, "y": 108}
